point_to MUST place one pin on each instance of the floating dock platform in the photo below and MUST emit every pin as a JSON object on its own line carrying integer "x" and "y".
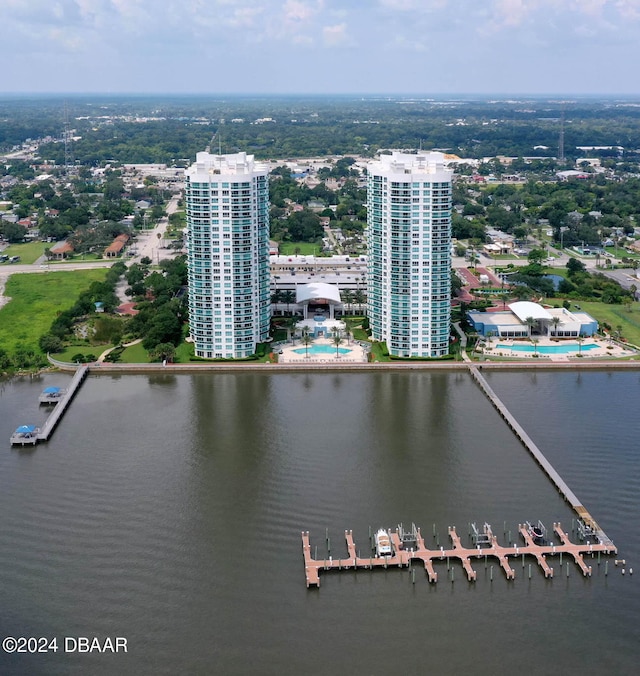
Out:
{"x": 29, "y": 434}
{"x": 25, "y": 435}
{"x": 404, "y": 558}
{"x": 51, "y": 395}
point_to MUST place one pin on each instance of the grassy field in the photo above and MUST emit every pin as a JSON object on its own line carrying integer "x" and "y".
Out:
{"x": 36, "y": 299}
{"x": 81, "y": 258}
{"x": 29, "y": 252}
{"x": 615, "y": 315}
{"x": 136, "y": 354}
{"x": 81, "y": 348}
{"x": 306, "y": 248}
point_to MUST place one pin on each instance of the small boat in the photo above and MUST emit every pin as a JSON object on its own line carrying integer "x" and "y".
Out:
{"x": 537, "y": 534}
{"x": 25, "y": 434}
{"x": 383, "y": 543}
{"x": 51, "y": 395}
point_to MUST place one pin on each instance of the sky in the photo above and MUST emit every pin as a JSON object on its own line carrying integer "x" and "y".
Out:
{"x": 321, "y": 46}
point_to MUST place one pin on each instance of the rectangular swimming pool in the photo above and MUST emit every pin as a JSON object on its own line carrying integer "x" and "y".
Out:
{"x": 321, "y": 349}
{"x": 548, "y": 349}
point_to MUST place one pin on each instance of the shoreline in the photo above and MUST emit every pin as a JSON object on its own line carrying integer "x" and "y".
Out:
{"x": 266, "y": 367}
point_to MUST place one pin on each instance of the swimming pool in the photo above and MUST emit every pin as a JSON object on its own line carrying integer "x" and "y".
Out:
{"x": 321, "y": 349}
{"x": 548, "y": 349}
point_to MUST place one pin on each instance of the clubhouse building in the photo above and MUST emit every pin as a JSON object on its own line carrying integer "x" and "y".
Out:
{"x": 525, "y": 319}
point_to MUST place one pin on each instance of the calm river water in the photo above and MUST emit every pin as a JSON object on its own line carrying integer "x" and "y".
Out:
{"x": 168, "y": 510}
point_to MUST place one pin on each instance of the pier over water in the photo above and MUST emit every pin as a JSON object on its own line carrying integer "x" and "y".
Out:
{"x": 402, "y": 557}
{"x": 61, "y": 407}
{"x": 36, "y": 434}
{"x": 538, "y": 455}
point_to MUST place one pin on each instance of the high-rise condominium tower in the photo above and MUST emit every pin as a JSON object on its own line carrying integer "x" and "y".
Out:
{"x": 227, "y": 200}
{"x": 409, "y": 253}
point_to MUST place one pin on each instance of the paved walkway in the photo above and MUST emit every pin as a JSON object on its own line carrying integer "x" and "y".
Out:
{"x": 101, "y": 358}
{"x": 463, "y": 342}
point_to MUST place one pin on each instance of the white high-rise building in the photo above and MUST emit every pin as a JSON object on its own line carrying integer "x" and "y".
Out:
{"x": 227, "y": 199}
{"x": 409, "y": 253}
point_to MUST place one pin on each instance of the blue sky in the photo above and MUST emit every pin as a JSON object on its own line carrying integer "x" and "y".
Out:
{"x": 321, "y": 46}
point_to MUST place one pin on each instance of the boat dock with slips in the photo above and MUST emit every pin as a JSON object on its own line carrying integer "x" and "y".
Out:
{"x": 485, "y": 546}
{"x": 43, "y": 433}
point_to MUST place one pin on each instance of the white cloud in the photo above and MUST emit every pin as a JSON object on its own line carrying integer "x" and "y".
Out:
{"x": 629, "y": 9}
{"x": 297, "y": 11}
{"x": 335, "y": 35}
{"x": 413, "y": 5}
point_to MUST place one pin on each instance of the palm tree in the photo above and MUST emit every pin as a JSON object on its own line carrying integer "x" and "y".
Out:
{"x": 288, "y": 297}
{"x": 556, "y": 321}
{"x": 337, "y": 340}
{"x": 580, "y": 340}
{"x": 504, "y": 297}
{"x": 530, "y": 322}
{"x": 346, "y": 295}
{"x": 347, "y": 332}
{"x": 360, "y": 298}
{"x": 535, "y": 342}
{"x": 306, "y": 339}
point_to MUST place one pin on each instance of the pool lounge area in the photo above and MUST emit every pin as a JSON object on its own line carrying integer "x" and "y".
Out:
{"x": 322, "y": 351}
{"x": 556, "y": 351}
{"x": 564, "y": 348}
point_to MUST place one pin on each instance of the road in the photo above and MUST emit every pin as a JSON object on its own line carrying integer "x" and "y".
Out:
{"x": 625, "y": 277}
{"x": 149, "y": 242}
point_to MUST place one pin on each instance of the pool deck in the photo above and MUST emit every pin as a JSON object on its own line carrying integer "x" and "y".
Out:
{"x": 357, "y": 354}
{"x": 603, "y": 349}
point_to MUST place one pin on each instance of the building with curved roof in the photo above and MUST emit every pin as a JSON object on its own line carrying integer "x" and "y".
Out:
{"x": 319, "y": 293}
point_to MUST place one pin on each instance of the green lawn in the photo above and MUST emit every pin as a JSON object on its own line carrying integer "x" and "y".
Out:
{"x": 36, "y": 299}
{"x": 306, "y": 248}
{"x": 136, "y": 354}
{"x": 83, "y": 258}
{"x": 29, "y": 252}
{"x": 82, "y": 348}
{"x": 615, "y": 315}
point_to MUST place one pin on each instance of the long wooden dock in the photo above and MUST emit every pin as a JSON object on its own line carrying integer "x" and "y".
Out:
{"x": 538, "y": 455}
{"x": 61, "y": 407}
{"x": 403, "y": 558}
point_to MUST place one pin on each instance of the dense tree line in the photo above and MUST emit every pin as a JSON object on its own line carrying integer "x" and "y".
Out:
{"x": 171, "y": 129}
{"x": 162, "y": 308}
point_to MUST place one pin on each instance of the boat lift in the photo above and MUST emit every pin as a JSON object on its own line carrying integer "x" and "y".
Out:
{"x": 481, "y": 538}
{"x": 586, "y": 532}
{"x": 538, "y": 532}
{"x": 408, "y": 539}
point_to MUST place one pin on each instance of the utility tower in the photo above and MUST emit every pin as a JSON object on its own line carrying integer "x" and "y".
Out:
{"x": 561, "y": 139}
{"x": 67, "y": 136}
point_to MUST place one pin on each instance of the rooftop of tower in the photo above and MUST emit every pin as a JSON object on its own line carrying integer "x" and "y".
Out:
{"x": 234, "y": 164}
{"x": 421, "y": 162}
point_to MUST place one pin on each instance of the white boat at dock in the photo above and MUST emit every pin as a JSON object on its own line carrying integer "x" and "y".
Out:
{"x": 383, "y": 543}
